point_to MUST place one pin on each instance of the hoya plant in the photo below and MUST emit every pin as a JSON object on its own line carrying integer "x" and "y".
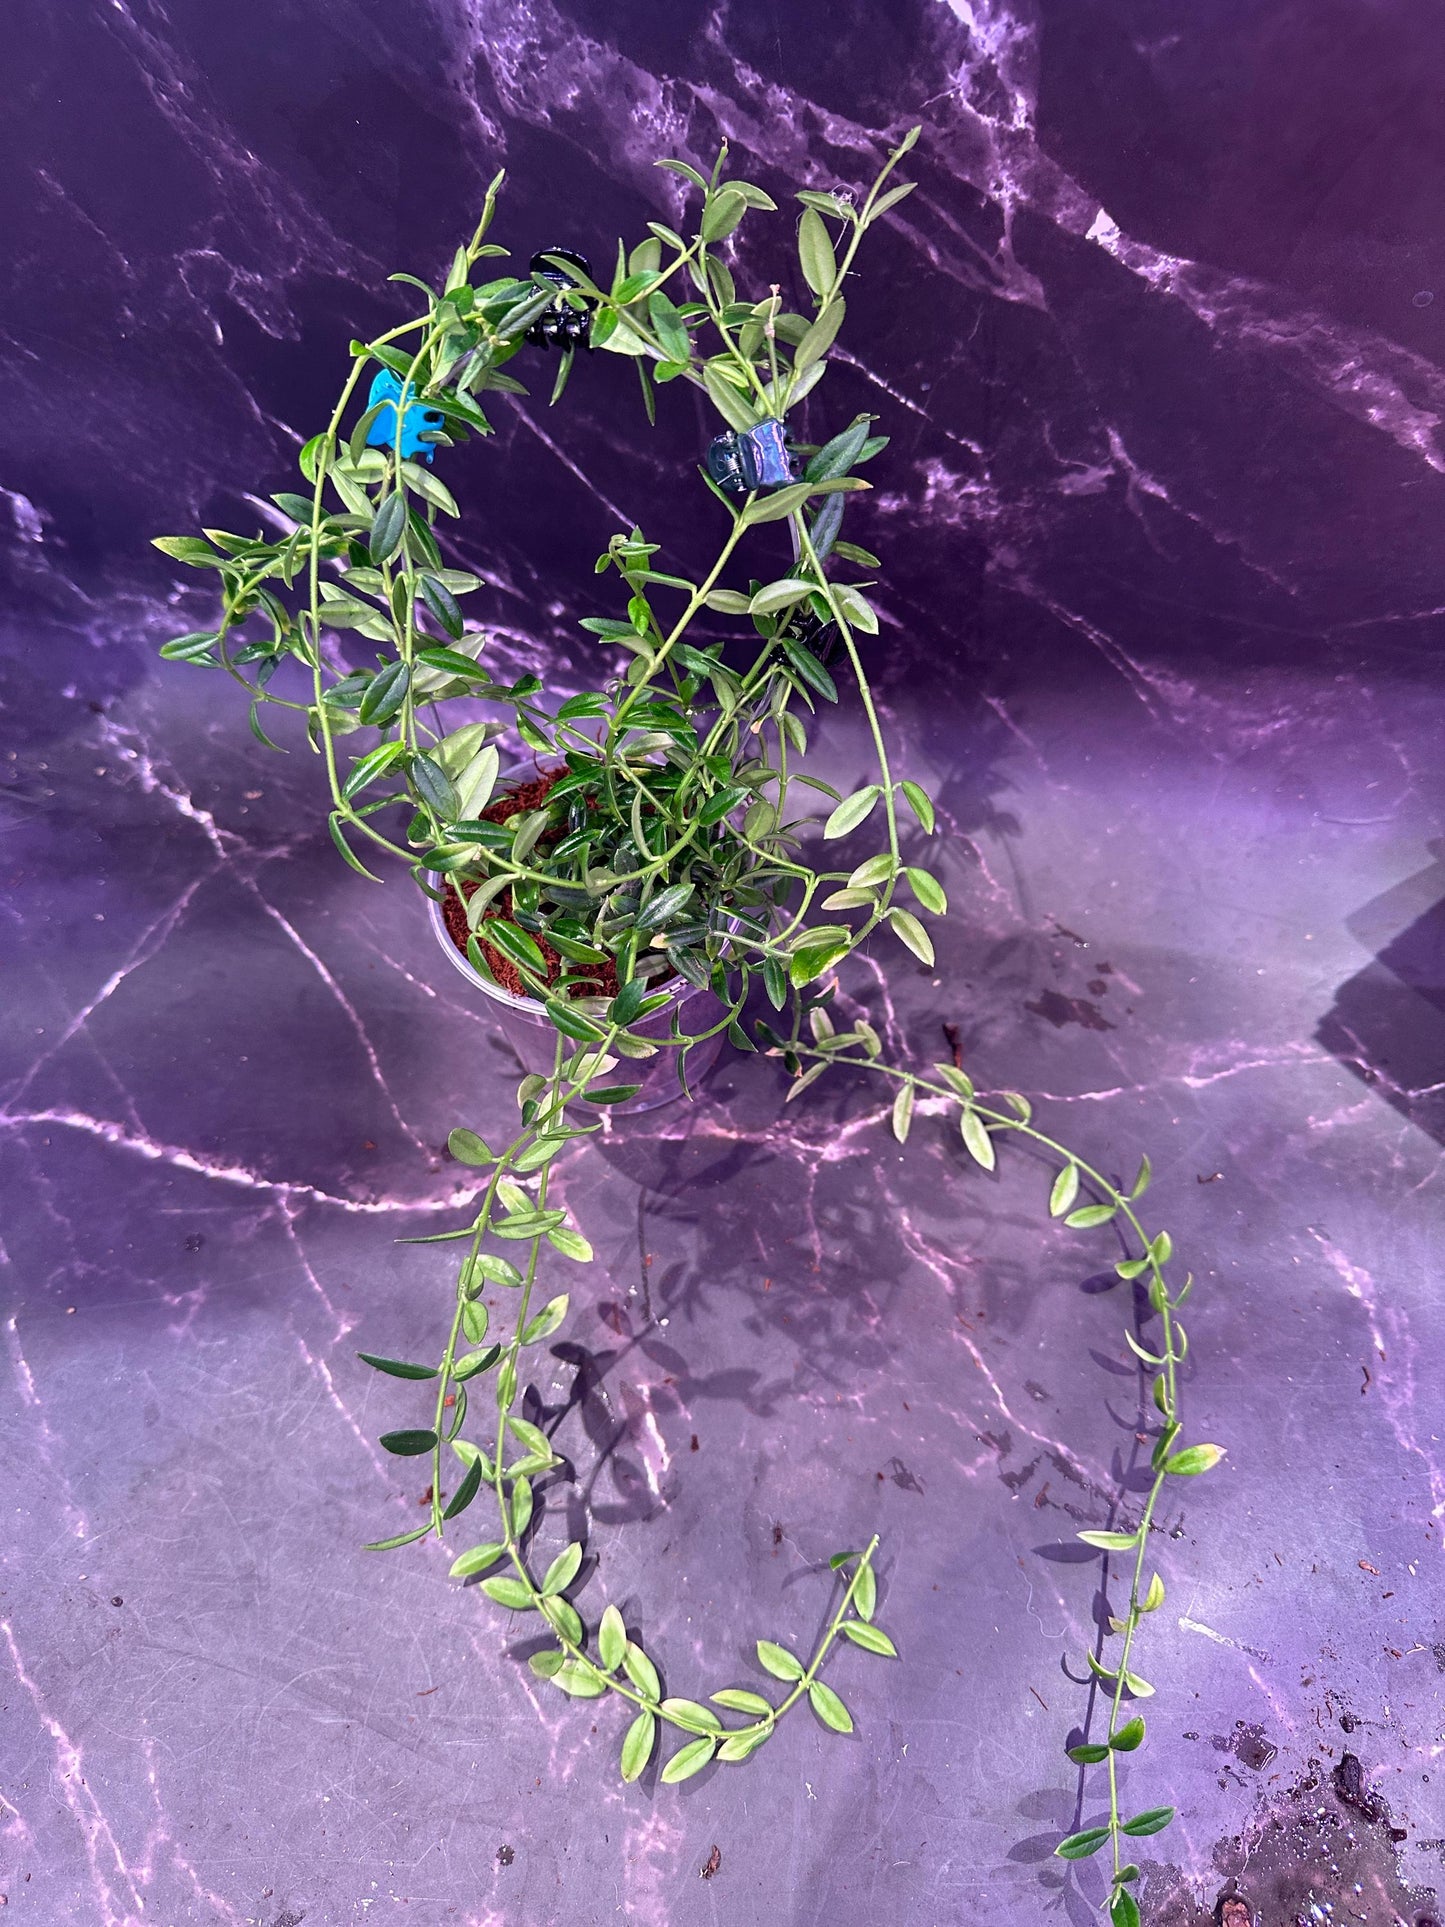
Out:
{"x": 668, "y": 836}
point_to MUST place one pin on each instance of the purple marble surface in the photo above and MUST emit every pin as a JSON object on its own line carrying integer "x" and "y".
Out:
{"x": 1159, "y": 343}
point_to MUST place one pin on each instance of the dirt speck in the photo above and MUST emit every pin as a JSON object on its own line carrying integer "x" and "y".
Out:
{"x": 1059, "y": 1010}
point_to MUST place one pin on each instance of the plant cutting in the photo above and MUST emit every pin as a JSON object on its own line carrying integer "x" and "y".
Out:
{"x": 665, "y": 866}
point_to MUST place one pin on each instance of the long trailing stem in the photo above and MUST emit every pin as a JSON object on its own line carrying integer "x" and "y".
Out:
{"x": 981, "y": 1124}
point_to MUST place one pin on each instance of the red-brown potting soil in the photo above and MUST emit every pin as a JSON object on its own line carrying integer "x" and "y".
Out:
{"x": 602, "y": 978}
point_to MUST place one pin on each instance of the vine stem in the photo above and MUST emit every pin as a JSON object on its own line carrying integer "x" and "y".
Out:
{"x": 1168, "y": 1359}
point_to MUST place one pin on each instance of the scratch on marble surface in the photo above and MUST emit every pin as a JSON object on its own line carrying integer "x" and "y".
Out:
{"x": 1399, "y": 1357}
{"x": 108, "y": 1131}
{"x": 349, "y": 1009}
{"x": 103, "y": 1854}
{"x": 76, "y": 1521}
{"x": 146, "y": 946}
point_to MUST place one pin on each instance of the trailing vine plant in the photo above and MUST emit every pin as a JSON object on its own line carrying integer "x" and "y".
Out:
{"x": 662, "y": 847}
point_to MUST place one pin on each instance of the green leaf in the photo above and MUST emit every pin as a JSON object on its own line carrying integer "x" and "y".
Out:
{"x": 434, "y": 787}
{"x": 1089, "y": 1215}
{"x": 570, "y": 1022}
{"x": 877, "y": 869}
{"x": 1141, "y": 1183}
{"x": 977, "y": 1139}
{"x": 521, "y": 1505}
{"x": 920, "y": 804}
{"x": 497, "y": 1271}
{"x": 1087, "y": 1755}
{"x": 563, "y": 1618}
{"x": 189, "y": 549}
{"x": 1193, "y": 1460}
{"x": 509, "y": 1592}
{"x": 727, "y": 401}
{"x": 890, "y": 199}
{"x": 1154, "y": 1597}
{"x": 637, "y": 1744}
{"x": 664, "y": 906}
{"x": 1123, "y": 1909}
{"x": 476, "y": 1559}
{"x": 611, "y": 1639}
{"x": 777, "y": 506}
{"x": 911, "y": 933}
{"x": 443, "y": 605}
{"x": 738, "y": 1699}
{"x": 1079, "y": 1846}
{"x": 1066, "y": 1189}
{"x": 743, "y": 1744}
{"x": 810, "y": 670}
{"x": 1153, "y": 1820}
{"x": 641, "y": 1671}
{"x": 401, "y": 1539}
{"x": 432, "y": 487}
{"x": 852, "y": 811}
{"x": 629, "y": 1000}
{"x": 829, "y": 1708}
{"x": 466, "y": 1491}
{"x": 375, "y": 763}
{"x": 395, "y": 1368}
{"x": 1110, "y": 1541}
{"x": 470, "y": 1363}
{"x": 778, "y": 1661}
{"x": 871, "y": 1638}
{"x": 865, "y": 1593}
{"x": 780, "y": 595}
{"x": 817, "y": 951}
{"x": 467, "y": 1148}
{"x": 1128, "y": 1737}
{"x": 903, "y": 1112}
{"x": 532, "y": 1437}
{"x": 815, "y": 252}
{"x": 384, "y": 694}
{"x": 407, "y": 1445}
{"x": 516, "y": 945}
{"x": 837, "y": 456}
{"x": 546, "y": 1321}
{"x": 562, "y": 1571}
{"x": 570, "y": 1243}
{"x": 857, "y": 609}
{"x": 688, "y": 1760}
{"x": 723, "y": 212}
{"x": 581, "y": 1681}
{"x": 668, "y": 326}
{"x": 687, "y": 1713}
{"x": 820, "y": 336}
{"x": 387, "y": 528}
{"x": 195, "y": 647}
{"x": 928, "y": 890}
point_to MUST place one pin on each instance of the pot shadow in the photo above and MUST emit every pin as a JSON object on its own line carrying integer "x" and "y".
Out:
{"x": 1387, "y": 1022}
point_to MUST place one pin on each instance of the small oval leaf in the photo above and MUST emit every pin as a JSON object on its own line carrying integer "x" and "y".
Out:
{"x": 829, "y": 1708}
{"x": 637, "y": 1744}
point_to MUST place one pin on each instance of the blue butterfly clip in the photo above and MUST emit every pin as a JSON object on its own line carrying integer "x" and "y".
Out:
{"x": 417, "y": 422}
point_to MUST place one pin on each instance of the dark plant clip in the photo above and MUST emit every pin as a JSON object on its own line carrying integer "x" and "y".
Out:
{"x": 749, "y": 458}
{"x": 562, "y": 326}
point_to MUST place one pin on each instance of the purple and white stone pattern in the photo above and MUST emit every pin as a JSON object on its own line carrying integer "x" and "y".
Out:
{"x": 1159, "y": 344}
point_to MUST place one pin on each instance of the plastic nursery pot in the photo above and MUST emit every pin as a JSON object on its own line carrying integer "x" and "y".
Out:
{"x": 528, "y": 1029}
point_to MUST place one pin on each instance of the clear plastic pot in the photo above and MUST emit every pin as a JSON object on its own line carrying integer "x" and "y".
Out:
{"x": 528, "y": 1029}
